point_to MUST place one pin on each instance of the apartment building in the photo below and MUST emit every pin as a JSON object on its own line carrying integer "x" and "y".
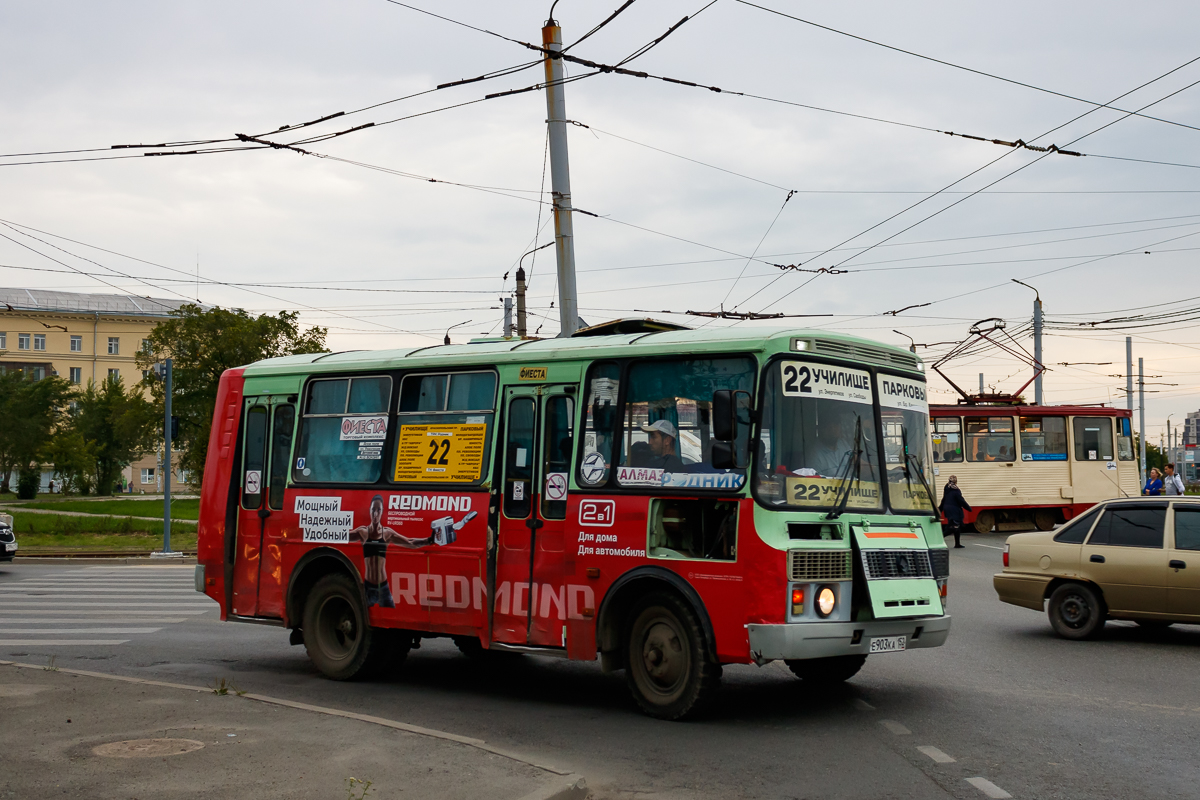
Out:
{"x": 84, "y": 337}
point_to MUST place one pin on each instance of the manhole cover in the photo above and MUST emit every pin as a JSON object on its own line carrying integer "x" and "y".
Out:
{"x": 147, "y": 748}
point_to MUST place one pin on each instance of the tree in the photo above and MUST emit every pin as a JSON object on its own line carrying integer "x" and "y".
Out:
{"x": 31, "y": 411}
{"x": 114, "y": 427}
{"x": 205, "y": 343}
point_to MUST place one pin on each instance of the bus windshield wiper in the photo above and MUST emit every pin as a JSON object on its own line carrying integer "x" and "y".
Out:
{"x": 853, "y": 468}
{"x": 909, "y": 458}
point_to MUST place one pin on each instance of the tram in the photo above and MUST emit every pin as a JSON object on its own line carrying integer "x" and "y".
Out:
{"x": 1027, "y": 466}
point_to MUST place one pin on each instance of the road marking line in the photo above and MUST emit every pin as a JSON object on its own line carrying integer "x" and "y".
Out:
{"x": 79, "y": 630}
{"x": 895, "y": 727}
{"x": 78, "y": 621}
{"x": 988, "y": 788}
{"x": 936, "y": 755}
{"x": 990, "y": 546}
{"x": 88, "y": 612}
{"x": 57, "y": 642}
{"x": 863, "y": 705}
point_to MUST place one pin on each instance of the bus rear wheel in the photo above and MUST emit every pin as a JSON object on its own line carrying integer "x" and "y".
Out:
{"x": 337, "y": 634}
{"x": 668, "y": 671}
{"x": 834, "y": 669}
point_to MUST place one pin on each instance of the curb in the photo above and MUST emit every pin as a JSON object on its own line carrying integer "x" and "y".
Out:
{"x": 568, "y": 786}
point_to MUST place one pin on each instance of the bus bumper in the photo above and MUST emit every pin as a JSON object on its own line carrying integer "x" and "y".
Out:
{"x": 825, "y": 639}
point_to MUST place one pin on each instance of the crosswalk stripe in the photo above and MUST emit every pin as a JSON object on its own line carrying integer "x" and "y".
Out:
{"x": 24, "y": 604}
{"x": 59, "y": 642}
{"x": 94, "y": 612}
{"x": 79, "y": 630}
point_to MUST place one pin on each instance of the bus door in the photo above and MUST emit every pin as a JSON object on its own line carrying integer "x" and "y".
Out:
{"x": 266, "y": 453}
{"x": 530, "y": 603}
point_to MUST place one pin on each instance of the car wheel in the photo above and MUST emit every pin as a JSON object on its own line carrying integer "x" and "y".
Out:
{"x": 1075, "y": 611}
{"x": 337, "y": 635}
{"x": 668, "y": 671}
{"x": 826, "y": 671}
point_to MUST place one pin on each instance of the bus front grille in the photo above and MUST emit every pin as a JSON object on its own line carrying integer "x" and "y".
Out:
{"x": 893, "y": 564}
{"x": 819, "y": 565}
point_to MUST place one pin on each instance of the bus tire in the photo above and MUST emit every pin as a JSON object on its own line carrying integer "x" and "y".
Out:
{"x": 337, "y": 635}
{"x": 1075, "y": 611}
{"x": 667, "y": 668}
{"x": 826, "y": 671}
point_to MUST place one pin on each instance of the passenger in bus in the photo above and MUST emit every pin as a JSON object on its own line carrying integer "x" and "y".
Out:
{"x": 375, "y": 538}
{"x": 662, "y": 438}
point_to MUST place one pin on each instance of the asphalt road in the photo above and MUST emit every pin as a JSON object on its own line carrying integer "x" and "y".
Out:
{"x": 1005, "y": 708}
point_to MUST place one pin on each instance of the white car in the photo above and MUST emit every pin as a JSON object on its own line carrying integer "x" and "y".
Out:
{"x": 8, "y": 540}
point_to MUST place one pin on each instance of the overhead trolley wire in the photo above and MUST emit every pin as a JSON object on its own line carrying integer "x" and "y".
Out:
{"x": 975, "y": 71}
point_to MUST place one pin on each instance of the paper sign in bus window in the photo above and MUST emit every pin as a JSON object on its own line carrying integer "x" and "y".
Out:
{"x": 440, "y": 453}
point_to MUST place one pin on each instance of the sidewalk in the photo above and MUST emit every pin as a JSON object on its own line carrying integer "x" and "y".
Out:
{"x": 69, "y": 734}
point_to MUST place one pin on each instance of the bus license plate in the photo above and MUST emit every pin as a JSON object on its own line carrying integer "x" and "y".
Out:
{"x": 888, "y": 644}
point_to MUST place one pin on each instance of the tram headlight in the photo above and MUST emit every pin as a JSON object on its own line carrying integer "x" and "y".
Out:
{"x": 826, "y": 601}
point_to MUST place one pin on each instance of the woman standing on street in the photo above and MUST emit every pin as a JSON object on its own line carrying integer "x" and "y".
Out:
{"x": 952, "y": 506}
{"x": 1154, "y": 484}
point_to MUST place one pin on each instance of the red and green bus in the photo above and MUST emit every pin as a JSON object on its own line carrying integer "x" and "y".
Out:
{"x": 667, "y": 501}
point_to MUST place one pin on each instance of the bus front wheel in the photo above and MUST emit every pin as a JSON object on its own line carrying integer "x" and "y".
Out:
{"x": 337, "y": 634}
{"x": 834, "y": 669}
{"x": 668, "y": 670}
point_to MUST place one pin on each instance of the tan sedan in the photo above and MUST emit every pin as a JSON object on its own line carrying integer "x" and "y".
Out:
{"x": 1136, "y": 559}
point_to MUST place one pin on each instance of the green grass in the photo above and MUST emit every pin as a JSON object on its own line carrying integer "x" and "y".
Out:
{"x": 51, "y": 524}
{"x": 180, "y": 509}
{"x": 96, "y": 541}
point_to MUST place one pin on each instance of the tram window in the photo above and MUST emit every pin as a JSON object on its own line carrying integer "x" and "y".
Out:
{"x": 990, "y": 439}
{"x": 947, "y": 439}
{"x": 1124, "y": 439}
{"x": 459, "y": 408}
{"x": 1043, "y": 438}
{"x": 599, "y": 424}
{"x": 667, "y": 436}
{"x": 342, "y": 432}
{"x": 1093, "y": 438}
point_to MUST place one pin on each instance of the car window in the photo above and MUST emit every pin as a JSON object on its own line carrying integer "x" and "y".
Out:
{"x": 1131, "y": 526}
{"x": 1075, "y": 531}
{"x": 1187, "y": 528}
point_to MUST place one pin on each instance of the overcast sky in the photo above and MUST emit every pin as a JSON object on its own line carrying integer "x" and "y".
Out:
{"x": 394, "y": 260}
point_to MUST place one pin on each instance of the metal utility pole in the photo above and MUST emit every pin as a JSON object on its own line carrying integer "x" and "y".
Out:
{"x": 560, "y": 181}
{"x": 166, "y": 376}
{"x": 521, "y": 303}
{"x": 981, "y": 383}
{"x": 1129, "y": 372}
{"x": 1037, "y": 341}
{"x": 1142, "y": 420}
{"x": 508, "y": 323}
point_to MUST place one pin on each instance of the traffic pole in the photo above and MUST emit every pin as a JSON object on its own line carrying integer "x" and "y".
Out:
{"x": 1142, "y": 420}
{"x": 508, "y": 323}
{"x": 167, "y": 464}
{"x": 521, "y": 325}
{"x": 1037, "y": 349}
{"x": 560, "y": 180}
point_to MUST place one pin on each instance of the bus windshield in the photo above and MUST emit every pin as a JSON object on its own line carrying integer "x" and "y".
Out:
{"x": 818, "y": 445}
{"x": 905, "y": 432}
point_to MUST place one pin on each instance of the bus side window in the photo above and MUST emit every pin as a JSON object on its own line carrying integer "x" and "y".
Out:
{"x": 342, "y": 430}
{"x": 556, "y": 451}
{"x": 599, "y": 423}
{"x": 281, "y": 453}
{"x": 254, "y": 458}
{"x": 518, "y": 459}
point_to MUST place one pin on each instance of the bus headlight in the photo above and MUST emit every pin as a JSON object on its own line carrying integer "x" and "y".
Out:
{"x": 826, "y": 601}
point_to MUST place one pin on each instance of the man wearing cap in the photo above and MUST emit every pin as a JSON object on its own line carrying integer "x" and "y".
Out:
{"x": 662, "y": 437}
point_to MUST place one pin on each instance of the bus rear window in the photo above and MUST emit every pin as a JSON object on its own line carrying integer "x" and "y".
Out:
{"x": 343, "y": 430}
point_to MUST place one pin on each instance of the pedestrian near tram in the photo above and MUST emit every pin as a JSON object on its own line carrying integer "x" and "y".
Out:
{"x": 1154, "y": 484}
{"x": 952, "y": 506}
{"x": 1172, "y": 483}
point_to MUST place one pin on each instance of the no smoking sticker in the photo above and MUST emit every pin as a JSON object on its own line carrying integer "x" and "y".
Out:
{"x": 253, "y": 481}
{"x": 556, "y": 486}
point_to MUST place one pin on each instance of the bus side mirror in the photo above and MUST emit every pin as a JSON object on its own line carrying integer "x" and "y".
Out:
{"x": 724, "y": 418}
{"x": 722, "y": 455}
